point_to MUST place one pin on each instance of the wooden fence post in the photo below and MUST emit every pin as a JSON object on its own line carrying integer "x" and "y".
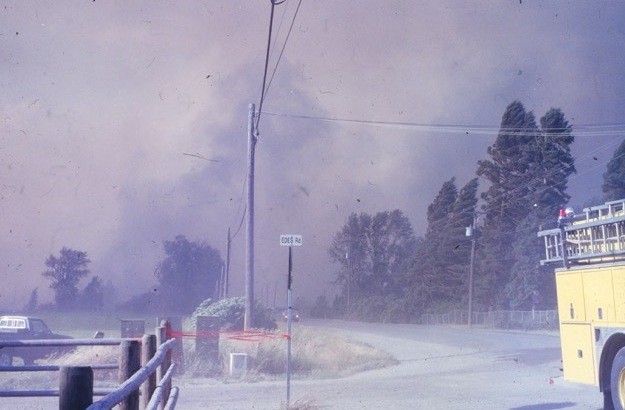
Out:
{"x": 147, "y": 353}
{"x": 129, "y": 364}
{"x": 207, "y": 339}
{"x": 175, "y": 323}
{"x": 162, "y": 335}
{"x": 75, "y": 388}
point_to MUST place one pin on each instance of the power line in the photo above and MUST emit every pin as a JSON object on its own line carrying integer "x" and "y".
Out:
{"x": 582, "y": 130}
{"x": 267, "y": 53}
{"x": 531, "y": 183}
{"x": 266, "y": 85}
{"x": 284, "y": 44}
{"x": 264, "y": 89}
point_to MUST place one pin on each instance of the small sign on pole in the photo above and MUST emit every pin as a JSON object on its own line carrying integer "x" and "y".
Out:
{"x": 290, "y": 240}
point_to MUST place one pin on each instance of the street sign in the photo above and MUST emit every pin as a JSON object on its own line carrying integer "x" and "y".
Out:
{"x": 290, "y": 240}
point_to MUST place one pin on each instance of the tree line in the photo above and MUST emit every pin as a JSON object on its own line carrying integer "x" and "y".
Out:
{"x": 387, "y": 273}
{"x": 187, "y": 276}
{"x": 384, "y": 271}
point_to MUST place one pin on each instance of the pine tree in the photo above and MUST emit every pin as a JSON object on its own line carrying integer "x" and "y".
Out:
{"x": 614, "y": 178}
{"x": 435, "y": 264}
{"x": 439, "y": 268}
{"x": 93, "y": 295}
{"x": 554, "y": 164}
{"x": 463, "y": 214}
{"x": 507, "y": 201}
{"x": 439, "y": 211}
{"x": 33, "y": 301}
{"x": 529, "y": 173}
{"x": 532, "y": 285}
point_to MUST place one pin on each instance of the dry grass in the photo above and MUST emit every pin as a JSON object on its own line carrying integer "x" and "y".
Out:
{"x": 314, "y": 353}
{"x": 302, "y": 405}
{"x": 81, "y": 356}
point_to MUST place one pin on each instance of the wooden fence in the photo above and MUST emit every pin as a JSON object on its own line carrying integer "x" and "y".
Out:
{"x": 145, "y": 373}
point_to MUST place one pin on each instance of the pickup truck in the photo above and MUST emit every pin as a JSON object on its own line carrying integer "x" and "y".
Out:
{"x": 26, "y": 328}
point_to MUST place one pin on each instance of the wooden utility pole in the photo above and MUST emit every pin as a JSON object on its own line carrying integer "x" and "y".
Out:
{"x": 471, "y": 272}
{"x": 249, "y": 246}
{"x": 227, "y": 274}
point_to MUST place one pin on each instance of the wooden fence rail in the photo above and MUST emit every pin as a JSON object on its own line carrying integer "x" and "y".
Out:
{"x": 132, "y": 384}
{"x": 145, "y": 374}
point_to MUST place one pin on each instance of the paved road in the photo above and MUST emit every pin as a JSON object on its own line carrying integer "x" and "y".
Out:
{"x": 439, "y": 368}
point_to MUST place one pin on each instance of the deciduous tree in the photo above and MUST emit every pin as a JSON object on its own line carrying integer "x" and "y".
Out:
{"x": 188, "y": 275}
{"x": 371, "y": 253}
{"x": 65, "y": 272}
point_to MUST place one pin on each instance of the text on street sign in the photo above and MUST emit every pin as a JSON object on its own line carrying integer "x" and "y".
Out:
{"x": 290, "y": 240}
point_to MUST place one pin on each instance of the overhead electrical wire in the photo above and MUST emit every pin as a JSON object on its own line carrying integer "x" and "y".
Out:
{"x": 528, "y": 184}
{"x": 583, "y": 130}
{"x": 288, "y": 34}
{"x": 580, "y": 130}
{"x": 593, "y": 130}
{"x": 266, "y": 84}
{"x": 267, "y": 53}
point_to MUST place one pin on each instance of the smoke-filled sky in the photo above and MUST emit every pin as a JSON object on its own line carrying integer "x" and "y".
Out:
{"x": 124, "y": 124}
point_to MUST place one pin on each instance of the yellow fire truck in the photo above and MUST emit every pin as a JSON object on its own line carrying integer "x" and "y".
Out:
{"x": 590, "y": 248}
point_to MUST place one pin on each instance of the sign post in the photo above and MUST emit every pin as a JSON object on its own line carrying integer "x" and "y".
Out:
{"x": 290, "y": 241}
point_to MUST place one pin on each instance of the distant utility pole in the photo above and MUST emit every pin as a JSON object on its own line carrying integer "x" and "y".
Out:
{"x": 249, "y": 245}
{"x": 472, "y": 233}
{"x": 227, "y": 273}
{"x": 471, "y": 270}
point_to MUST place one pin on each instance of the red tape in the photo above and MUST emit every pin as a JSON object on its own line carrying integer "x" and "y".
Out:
{"x": 241, "y": 335}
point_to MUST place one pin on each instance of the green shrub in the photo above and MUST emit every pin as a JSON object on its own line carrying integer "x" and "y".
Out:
{"x": 231, "y": 311}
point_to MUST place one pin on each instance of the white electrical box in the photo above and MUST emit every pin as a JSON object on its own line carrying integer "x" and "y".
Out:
{"x": 238, "y": 364}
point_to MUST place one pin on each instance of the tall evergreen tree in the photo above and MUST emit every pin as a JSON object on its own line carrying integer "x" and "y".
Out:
{"x": 439, "y": 211}
{"x": 554, "y": 164}
{"x": 430, "y": 277}
{"x": 93, "y": 295}
{"x": 33, "y": 301}
{"x": 435, "y": 256}
{"x": 614, "y": 178}
{"x": 507, "y": 201}
{"x": 463, "y": 214}
{"x": 439, "y": 267}
{"x": 532, "y": 285}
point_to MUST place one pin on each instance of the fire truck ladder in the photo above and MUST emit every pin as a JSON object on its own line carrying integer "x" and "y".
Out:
{"x": 595, "y": 236}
